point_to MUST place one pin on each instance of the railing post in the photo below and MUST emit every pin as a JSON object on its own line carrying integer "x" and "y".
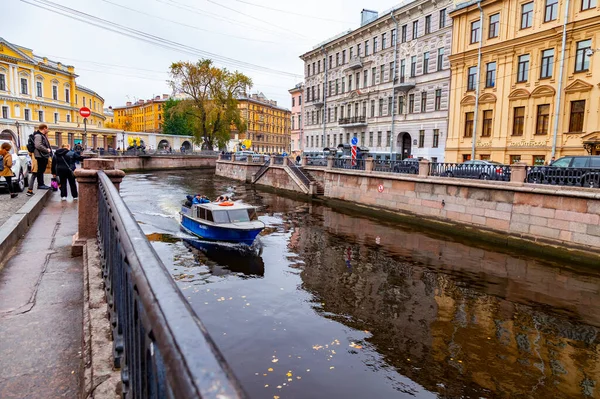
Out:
{"x": 424, "y": 168}
{"x": 330, "y": 162}
{"x": 312, "y": 188}
{"x": 285, "y": 161}
{"x": 518, "y": 173}
{"x": 304, "y": 161}
{"x": 369, "y": 164}
{"x": 87, "y": 178}
{"x": 272, "y": 160}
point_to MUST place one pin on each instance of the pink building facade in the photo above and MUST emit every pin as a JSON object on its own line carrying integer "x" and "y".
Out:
{"x": 297, "y": 136}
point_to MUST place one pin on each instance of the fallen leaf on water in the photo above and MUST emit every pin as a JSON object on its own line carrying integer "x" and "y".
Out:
{"x": 317, "y": 347}
{"x": 308, "y": 370}
{"x": 289, "y": 374}
{"x": 298, "y": 378}
{"x": 356, "y": 346}
{"x": 264, "y": 375}
{"x": 274, "y": 360}
{"x": 279, "y": 387}
{"x": 255, "y": 373}
{"x": 331, "y": 368}
{"x": 247, "y": 304}
{"x": 266, "y": 386}
{"x": 275, "y": 397}
{"x": 270, "y": 369}
{"x": 289, "y": 380}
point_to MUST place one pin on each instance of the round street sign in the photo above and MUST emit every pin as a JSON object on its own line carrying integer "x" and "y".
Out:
{"x": 85, "y": 112}
{"x": 285, "y": 154}
{"x": 354, "y": 141}
{"x": 380, "y": 188}
{"x": 243, "y": 146}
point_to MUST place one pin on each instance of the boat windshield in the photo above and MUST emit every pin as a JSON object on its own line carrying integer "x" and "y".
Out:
{"x": 238, "y": 216}
{"x": 234, "y": 216}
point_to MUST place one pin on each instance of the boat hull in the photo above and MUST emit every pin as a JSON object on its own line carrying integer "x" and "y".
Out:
{"x": 216, "y": 233}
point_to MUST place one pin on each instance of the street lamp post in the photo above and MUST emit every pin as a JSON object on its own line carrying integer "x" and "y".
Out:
{"x": 18, "y": 125}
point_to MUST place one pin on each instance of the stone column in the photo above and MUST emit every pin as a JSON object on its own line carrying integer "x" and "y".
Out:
{"x": 304, "y": 161}
{"x": 272, "y": 160}
{"x": 285, "y": 161}
{"x": 312, "y": 188}
{"x": 369, "y": 164}
{"x": 518, "y": 173}
{"x": 330, "y": 162}
{"x": 424, "y": 168}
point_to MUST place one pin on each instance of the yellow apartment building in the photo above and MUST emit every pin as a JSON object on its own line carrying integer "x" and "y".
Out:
{"x": 142, "y": 115}
{"x": 510, "y": 108}
{"x": 34, "y": 89}
{"x": 269, "y": 126}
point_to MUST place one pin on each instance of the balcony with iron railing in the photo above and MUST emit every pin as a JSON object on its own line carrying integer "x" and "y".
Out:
{"x": 354, "y": 63}
{"x": 405, "y": 84}
{"x": 353, "y": 121}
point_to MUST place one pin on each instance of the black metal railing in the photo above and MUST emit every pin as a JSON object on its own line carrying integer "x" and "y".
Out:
{"x": 471, "y": 171}
{"x": 299, "y": 174}
{"x": 576, "y": 177}
{"x": 226, "y": 157}
{"x": 352, "y": 120}
{"x": 263, "y": 169}
{"x": 396, "y": 166}
{"x": 277, "y": 160}
{"x": 348, "y": 163}
{"x": 160, "y": 345}
{"x": 316, "y": 161}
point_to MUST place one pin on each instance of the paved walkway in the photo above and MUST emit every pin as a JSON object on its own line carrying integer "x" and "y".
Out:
{"x": 41, "y": 295}
{"x": 8, "y": 206}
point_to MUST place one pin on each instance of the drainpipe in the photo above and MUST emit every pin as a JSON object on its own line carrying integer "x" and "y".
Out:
{"x": 324, "y": 99}
{"x": 392, "y": 138}
{"x": 303, "y": 98}
{"x": 476, "y": 117}
{"x": 560, "y": 81}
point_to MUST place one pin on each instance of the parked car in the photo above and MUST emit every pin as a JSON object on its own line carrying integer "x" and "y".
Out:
{"x": 25, "y": 153}
{"x": 478, "y": 169}
{"x": 21, "y": 167}
{"x": 243, "y": 155}
{"x": 408, "y": 165}
{"x": 581, "y": 171}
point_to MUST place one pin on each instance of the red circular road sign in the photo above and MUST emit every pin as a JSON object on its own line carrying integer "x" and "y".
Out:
{"x": 85, "y": 112}
{"x": 380, "y": 188}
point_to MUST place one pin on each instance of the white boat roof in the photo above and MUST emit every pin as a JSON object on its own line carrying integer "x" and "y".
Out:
{"x": 216, "y": 206}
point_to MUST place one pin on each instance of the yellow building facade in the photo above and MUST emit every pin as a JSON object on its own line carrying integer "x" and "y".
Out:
{"x": 36, "y": 90}
{"x": 141, "y": 116}
{"x": 268, "y": 126}
{"x": 521, "y": 49}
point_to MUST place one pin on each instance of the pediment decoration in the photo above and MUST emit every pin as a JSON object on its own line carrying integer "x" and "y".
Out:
{"x": 487, "y": 98}
{"x": 543, "y": 91}
{"x": 10, "y": 50}
{"x": 593, "y": 136}
{"x": 519, "y": 94}
{"x": 39, "y": 77}
{"x": 468, "y": 100}
{"x": 577, "y": 86}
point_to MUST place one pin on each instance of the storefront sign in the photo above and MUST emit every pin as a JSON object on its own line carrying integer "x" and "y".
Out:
{"x": 528, "y": 144}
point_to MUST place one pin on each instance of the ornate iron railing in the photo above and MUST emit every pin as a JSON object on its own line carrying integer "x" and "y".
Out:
{"x": 380, "y": 165}
{"x": 577, "y": 177}
{"x": 352, "y": 120}
{"x": 160, "y": 345}
{"x": 347, "y": 163}
{"x": 471, "y": 171}
{"x": 263, "y": 169}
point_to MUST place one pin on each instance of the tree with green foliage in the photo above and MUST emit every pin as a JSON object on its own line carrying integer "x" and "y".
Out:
{"x": 211, "y": 100}
{"x": 175, "y": 121}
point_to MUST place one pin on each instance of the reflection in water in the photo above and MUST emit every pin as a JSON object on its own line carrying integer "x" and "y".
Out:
{"x": 349, "y": 307}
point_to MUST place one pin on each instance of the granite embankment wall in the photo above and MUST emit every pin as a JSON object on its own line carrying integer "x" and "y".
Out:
{"x": 563, "y": 217}
{"x": 162, "y": 162}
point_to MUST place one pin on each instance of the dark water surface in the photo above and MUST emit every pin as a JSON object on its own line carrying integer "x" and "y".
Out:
{"x": 334, "y": 305}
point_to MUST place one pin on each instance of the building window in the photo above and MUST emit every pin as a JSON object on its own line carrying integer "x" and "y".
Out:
{"x": 27, "y": 115}
{"x": 24, "y": 86}
{"x": 582, "y": 60}
{"x": 514, "y": 159}
{"x": 56, "y": 117}
{"x": 402, "y": 70}
{"x": 539, "y": 160}
{"x": 343, "y": 57}
{"x": 349, "y": 82}
{"x": 67, "y": 95}
{"x": 415, "y": 30}
{"x": 372, "y": 108}
{"x": 38, "y": 89}
{"x": 403, "y": 34}
{"x": 378, "y": 139}
{"x": 382, "y": 74}
{"x": 381, "y": 107}
{"x": 343, "y": 85}
{"x": 551, "y": 10}
{"x": 383, "y": 41}
{"x": 487, "y": 123}
{"x": 440, "y": 59}
{"x": 518, "y": 121}
{"x": 2, "y": 82}
{"x": 494, "y": 25}
{"x": 394, "y": 37}
{"x": 392, "y": 71}
{"x": 366, "y": 48}
{"x": 475, "y": 31}
{"x": 375, "y": 44}
{"x": 588, "y": 4}
{"x": 436, "y": 138}
{"x": 577, "y": 114}
{"x": 424, "y": 101}
{"x": 41, "y": 116}
{"x": 543, "y": 119}
{"x": 442, "y": 18}
{"x": 438, "y": 99}
{"x": 421, "y": 138}
{"x": 411, "y": 103}
{"x": 428, "y": 24}
{"x": 426, "y": 62}
{"x": 523, "y": 68}
{"x": 370, "y": 139}
{"x": 373, "y": 75}
{"x": 390, "y": 103}
{"x": 490, "y": 75}
{"x": 413, "y": 66}
{"x": 4, "y": 112}
{"x": 401, "y": 105}
{"x": 469, "y": 124}
{"x": 55, "y": 92}
{"x": 364, "y": 109}
{"x": 466, "y": 157}
{"x": 472, "y": 78}
{"x": 526, "y": 15}
{"x": 547, "y": 63}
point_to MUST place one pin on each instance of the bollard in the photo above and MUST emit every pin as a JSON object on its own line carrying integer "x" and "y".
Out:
{"x": 424, "y": 168}
{"x": 369, "y": 164}
{"x": 304, "y": 161}
{"x": 330, "y": 162}
{"x": 518, "y": 173}
{"x": 285, "y": 161}
{"x": 272, "y": 160}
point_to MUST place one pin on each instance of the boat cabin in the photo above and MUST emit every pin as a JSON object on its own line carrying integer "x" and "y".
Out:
{"x": 218, "y": 214}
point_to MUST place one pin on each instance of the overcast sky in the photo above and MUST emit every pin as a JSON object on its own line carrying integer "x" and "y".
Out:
{"x": 120, "y": 67}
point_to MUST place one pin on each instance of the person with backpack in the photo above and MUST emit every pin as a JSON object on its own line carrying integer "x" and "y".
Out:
{"x": 63, "y": 165}
{"x": 6, "y": 170}
{"x": 39, "y": 145}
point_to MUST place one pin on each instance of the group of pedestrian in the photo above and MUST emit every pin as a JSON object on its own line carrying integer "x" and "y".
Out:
{"x": 6, "y": 170}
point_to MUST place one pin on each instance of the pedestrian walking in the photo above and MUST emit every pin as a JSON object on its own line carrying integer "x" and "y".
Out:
{"x": 6, "y": 171}
{"x": 42, "y": 154}
{"x": 63, "y": 165}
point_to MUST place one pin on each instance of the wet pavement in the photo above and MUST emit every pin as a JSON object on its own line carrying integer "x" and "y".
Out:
{"x": 8, "y": 206}
{"x": 41, "y": 302}
{"x": 338, "y": 305}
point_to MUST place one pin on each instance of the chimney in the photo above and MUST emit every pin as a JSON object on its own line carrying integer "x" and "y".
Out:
{"x": 128, "y": 103}
{"x": 165, "y": 96}
{"x": 157, "y": 98}
{"x": 140, "y": 101}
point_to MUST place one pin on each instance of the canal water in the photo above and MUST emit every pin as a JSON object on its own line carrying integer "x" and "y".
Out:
{"x": 331, "y": 304}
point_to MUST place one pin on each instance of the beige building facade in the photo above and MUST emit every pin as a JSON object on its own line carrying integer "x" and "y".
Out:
{"x": 513, "y": 115}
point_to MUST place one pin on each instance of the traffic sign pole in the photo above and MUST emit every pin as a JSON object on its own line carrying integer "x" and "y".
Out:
{"x": 85, "y": 112}
{"x": 354, "y": 143}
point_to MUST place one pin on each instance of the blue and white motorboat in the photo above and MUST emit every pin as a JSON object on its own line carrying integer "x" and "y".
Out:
{"x": 234, "y": 222}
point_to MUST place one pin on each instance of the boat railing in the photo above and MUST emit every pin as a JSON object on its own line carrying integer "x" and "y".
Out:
{"x": 160, "y": 344}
